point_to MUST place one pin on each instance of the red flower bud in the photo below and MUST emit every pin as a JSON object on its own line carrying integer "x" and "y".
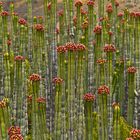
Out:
{"x": 89, "y": 97}
{"x": 57, "y": 80}
{"x": 98, "y": 29}
{"x": 131, "y": 70}
{"x": 22, "y": 21}
{"x": 19, "y": 58}
{"x": 103, "y": 90}
{"x": 78, "y": 3}
{"x": 35, "y": 77}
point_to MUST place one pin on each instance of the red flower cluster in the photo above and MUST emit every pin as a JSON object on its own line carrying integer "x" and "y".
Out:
{"x": 109, "y": 48}
{"x": 135, "y": 14}
{"x": 14, "y": 130}
{"x": 78, "y": 3}
{"x": 71, "y": 46}
{"x": 98, "y": 29}
{"x": 110, "y": 33}
{"x": 4, "y": 13}
{"x": 103, "y": 90}
{"x": 57, "y": 80}
{"x": 83, "y": 12}
{"x": 129, "y": 139}
{"x": 9, "y": 42}
{"x": 16, "y": 137}
{"x": 61, "y": 13}
{"x": 19, "y": 58}
{"x": 131, "y": 70}
{"x": 22, "y": 21}
{"x": 101, "y": 61}
{"x": 90, "y": 3}
{"x": 29, "y": 98}
{"x": 61, "y": 49}
{"x": 89, "y": 97}
{"x": 34, "y": 78}
{"x": 81, "y": 47}
{"x": 120, "y": 14}
{"x": 41, "y": 100}
{"x": 39, "y": 27}
{"x": 109, "y": 8}
{"x": 135, "y": 133}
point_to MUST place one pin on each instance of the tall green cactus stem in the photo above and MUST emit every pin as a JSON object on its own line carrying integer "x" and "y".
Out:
{"x": 19, "y": 89}
{"x": 58, "y": 107}
{"x": 101, "y": 9}
{"x": 116, "y": 122}
{"x": 88, "y": 104}
{"x": 131, "y": 96}
{"x": 103, "y": 115}
{"x": 35, "y": 79}
{"x": 78, "y": 5}
{"x": 95, "y": 125}
{"x": 90, "y": 46}
{"x": 80, "y": 90}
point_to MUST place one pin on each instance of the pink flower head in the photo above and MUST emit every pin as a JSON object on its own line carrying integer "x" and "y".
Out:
{"x": 14, "y": 130}
{"x": 22, "y": 21}
{"x": 34, "y": 77}
{"x": 57, "y": 80}
{"x": 16, "y": 137}
{"x": 19, "y": 58}
{"x": 78, "y": 3}
{"x": 83, "y": 11}
{"x": 129, "y": 139}
{"x": 133, "y": 14}
{"x": 9, "y": 42}
{"x": 89, "y": 97}
{"x": 41, "y": 100}
{"x": 60, "y": 12}
{"x": 103, "y": 90}
{"x": 49, "y": 6}
{"x": 4, "y": 13}
{"x": 71, "y": 46}
{"x": 120, "y": 14}
{"x": 109, "y": 48}
{"x": 98, "y": 29}
{"x": 135, "y": 133}
{"x": 137, "y": 14}
{"x": 90, "y": 3}
{"x": 39, "y": 27}
{"x": 109, "y": 8}
{"x": 81, "y": 47}
{"x": 101, "y": 61}
{"x": 61, "y": 49}
{"x": 131, "y": 70}
{"x": 116, "y": 3}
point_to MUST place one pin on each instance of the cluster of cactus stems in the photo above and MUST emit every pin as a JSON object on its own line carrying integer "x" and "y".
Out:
{"x": 72, "y": 74}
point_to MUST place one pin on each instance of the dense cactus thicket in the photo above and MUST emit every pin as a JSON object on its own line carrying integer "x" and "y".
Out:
{"x": 72, "y": 74}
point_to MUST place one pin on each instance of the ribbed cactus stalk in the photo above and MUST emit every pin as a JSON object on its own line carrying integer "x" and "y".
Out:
{"x": 131, "y": 96}
{"x": 103, "y": 92}
{"x": 35, "y": 79}
{"x": 20, "y": 96}
{"x": 58, "y": 107}
{"x": 88, "y": 107}
{"x": 116, "y": 122}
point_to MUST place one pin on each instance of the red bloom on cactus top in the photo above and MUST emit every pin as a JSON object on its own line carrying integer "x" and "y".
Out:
{"x": 120, "y": 14}
{"x": 57, "y": 80}
{"x": 22, "y": 21}
{"x": 81, "y": 47}
{"x": 103, "y": 90}
{"x": 16, "y": 137}
{"x": 129, "y": 139}
{"x": 60, "y": 12}
{"x": 41, "y": 100}
{"x": 101, "y": 61}
{"x": 19, "y": 58}
{"x": 109, "y": 48}
{"x": 98, "y": 29}
{"x": 9, "y": 42}
{"x": 70, "y": 46}
{"x": 135, "y": 133}
{"x": 89, "y": 97}
{"x": 39, "y": 27}
{"x": 14, "y": 130}
{"x": 90, "y": 3}
{"x": 78, "y": 3}
{"x": 116, "y": 3}
{"x": 109, "y": 8}
{"x": 35, "y": 77}
{"x": 4, "y": 13}
{"x": 131, "y": 70}
{"x": 61, "y": 49}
